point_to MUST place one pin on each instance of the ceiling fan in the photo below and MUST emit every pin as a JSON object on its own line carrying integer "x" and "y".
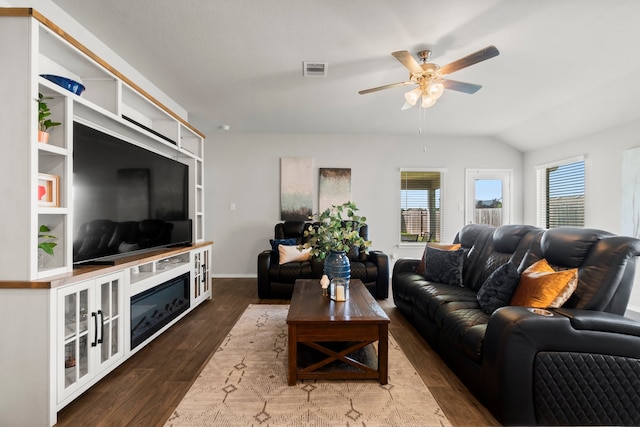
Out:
{"x": 430, "y": 77}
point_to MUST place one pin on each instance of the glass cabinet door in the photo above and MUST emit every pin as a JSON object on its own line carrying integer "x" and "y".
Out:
{"x": 110, "y": 323}
{"x": 200, "y": 276}
{"x": 205, "y": 272}
{"x": 197, "y": 263}
{"x": 90, "y": 331}
{"x": 75, "y": 331}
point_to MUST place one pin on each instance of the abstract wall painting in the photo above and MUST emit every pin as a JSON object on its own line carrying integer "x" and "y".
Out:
{"x": 631, "y": 192}
{"x": 334, "y": 187}
{"x": 296, "y": 188}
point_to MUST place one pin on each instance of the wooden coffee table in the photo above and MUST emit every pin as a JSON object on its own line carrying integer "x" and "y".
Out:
{"x": 336, "y": 333}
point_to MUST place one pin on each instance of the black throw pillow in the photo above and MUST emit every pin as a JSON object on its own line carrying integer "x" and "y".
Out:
{"x": 499, "y": 287}
{"x": 444, "y": 266}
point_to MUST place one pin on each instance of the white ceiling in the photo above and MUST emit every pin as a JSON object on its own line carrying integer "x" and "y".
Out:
{"x": 566, "y": 67}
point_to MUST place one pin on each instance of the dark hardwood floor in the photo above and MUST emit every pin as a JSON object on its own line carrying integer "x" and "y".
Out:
{"x": 146, "y": 389}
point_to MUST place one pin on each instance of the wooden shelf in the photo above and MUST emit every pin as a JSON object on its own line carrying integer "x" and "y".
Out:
{"x": 85, "y": 272}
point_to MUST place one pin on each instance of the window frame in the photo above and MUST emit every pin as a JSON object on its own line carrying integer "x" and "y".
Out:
{"x": 542, "y": 211}
{"x": 442, "y": 172}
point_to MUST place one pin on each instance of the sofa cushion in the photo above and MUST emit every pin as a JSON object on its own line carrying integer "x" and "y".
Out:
{"x": 542, "y": 287}
{"x": 354, "y": 253}
{"x": 429, "y": 298}
{"x": 292, "y": 253}
{"x": 465, "y": 329}
{"x": 444, "y": 266}
{"x": 289, "y": 272}
{"x": 443, "y": 246}
{"x": 365, "y": 271}
{"x": 499, "y": 288}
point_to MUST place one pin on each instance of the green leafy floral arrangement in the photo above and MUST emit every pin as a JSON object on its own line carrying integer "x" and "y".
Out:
{"x": 336, "y": 229}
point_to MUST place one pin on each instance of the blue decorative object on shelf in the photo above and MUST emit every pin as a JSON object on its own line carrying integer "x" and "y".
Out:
{"x": 70, "y": 85}
{"x": 337, "y": 266}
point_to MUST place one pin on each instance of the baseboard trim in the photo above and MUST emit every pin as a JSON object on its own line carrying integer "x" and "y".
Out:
{"x": 633, "y": 312}
{"x": 234, "y": 276}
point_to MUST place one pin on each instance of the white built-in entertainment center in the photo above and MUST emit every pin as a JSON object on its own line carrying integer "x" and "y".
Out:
{"x": 65, "y": 325}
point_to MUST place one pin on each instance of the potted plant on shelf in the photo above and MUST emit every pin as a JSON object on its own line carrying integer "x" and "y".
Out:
{"x": 43, "y": 122}
{"x": 335, "y": 232}
{"x": 45, "y": 244}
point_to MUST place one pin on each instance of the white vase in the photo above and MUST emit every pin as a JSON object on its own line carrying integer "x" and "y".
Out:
{"x": 41, "y": 256}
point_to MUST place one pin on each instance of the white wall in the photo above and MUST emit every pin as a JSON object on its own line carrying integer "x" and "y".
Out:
{"x": 603, "y": 181}
{"x": 244, "y": 169}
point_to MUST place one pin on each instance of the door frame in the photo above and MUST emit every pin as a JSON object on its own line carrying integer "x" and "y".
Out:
{"x": 473, "y": 174}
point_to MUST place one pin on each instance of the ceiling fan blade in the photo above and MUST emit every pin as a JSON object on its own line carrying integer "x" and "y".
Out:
{"x": 408, "y": 61}
{"x": 461, "y": 86}
{"x": 479, "y": 56}
{"x": 406, "y": 106}
{"x": 375, "y": 89}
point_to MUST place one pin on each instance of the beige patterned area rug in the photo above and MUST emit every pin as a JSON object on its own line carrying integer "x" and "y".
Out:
{"x": 245, "y": 384}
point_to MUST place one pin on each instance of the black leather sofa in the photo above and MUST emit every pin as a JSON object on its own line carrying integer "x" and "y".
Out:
{"x": 277, "y": 280}
{"x": 574, "y": 365}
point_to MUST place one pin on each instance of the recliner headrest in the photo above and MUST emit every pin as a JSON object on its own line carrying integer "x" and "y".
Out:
{"x": 506, "y": 238}
{"x": 469, "y": 233}
{"x": 293, "y": 228}
{"x": 569, "y": 246}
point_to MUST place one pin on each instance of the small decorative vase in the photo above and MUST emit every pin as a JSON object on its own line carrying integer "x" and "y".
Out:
{"x": 337, "y": 266}
{"x": 41, "y": 256}
{"x": 43, "y": 137}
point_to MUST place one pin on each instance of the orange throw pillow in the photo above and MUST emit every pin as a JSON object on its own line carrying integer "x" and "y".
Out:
{"x": 443, "y": 246}
{"x": 541, "y": 286}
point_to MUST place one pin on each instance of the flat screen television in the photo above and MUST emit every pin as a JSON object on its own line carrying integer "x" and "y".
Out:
{"x": 126, "y": 199}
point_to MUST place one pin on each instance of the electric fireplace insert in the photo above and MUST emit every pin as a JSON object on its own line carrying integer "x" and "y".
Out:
{"x": 152, "y": 309}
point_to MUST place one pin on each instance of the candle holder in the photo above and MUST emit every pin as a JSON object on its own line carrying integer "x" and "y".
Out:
{"x": 339, "y": 289}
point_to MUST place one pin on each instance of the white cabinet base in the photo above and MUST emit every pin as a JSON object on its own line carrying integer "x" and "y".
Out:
{"x": 47, "y": 359}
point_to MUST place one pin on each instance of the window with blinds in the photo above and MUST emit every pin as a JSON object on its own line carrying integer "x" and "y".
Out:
{"x": 560, "y": 199}
{"x": 420, "y": 213}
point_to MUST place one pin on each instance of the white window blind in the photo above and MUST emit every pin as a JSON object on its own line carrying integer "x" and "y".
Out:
{"x": 560, "y": 198}
{"x": 420, "y": 214}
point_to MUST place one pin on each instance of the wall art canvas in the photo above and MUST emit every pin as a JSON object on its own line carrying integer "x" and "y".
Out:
{"x": 334, "y": 187}
{"x": 631, "y": 192}
{"x": 296, "y": 188}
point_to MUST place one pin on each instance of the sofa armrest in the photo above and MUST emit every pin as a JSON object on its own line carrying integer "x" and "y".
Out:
{"x": 553, "y": 368}
{"x": 264, "y": 262}
{"x": 381, "y": 260}
{"x": 405, "y": 265}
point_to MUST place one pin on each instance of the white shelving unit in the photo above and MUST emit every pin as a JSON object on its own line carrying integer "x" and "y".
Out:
{"x": 110, "y": 101}
{"x": 58, "y": 308}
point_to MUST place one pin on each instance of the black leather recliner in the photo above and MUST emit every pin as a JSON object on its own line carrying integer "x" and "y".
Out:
{"x": 277, "y": 280}
{"x": 574, "y": 365}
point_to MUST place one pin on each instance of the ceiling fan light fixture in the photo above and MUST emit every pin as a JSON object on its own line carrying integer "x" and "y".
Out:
{"x": 436, "y": 90}
{"x": 427, "y": 101}
{"x": 413, "y": 95}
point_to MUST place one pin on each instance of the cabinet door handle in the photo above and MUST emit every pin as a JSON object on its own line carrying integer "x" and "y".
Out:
{"x": 95, "y": 328}
{"x": 101, "y": 327}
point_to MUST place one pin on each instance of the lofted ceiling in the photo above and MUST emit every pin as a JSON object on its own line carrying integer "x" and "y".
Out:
{"x": 566, "y": 68}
